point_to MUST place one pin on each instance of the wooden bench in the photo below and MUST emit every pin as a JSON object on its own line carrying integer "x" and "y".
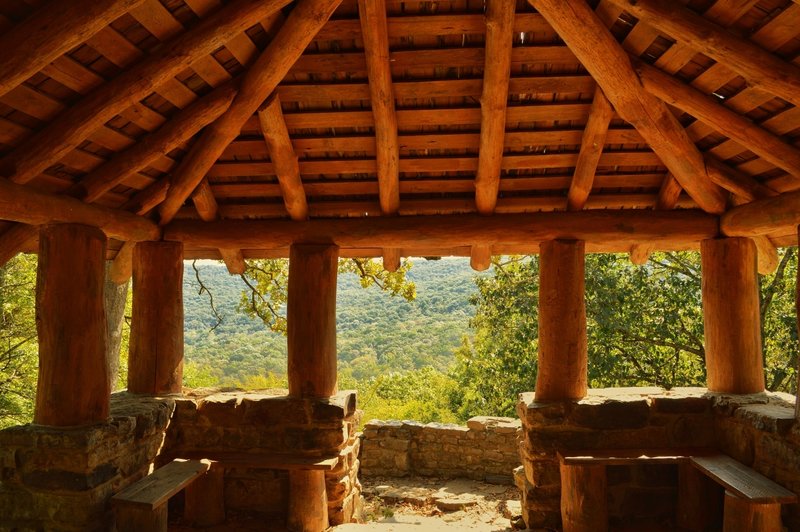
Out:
{"x": 752, "y": 502}
{"x": 143, "y": 504}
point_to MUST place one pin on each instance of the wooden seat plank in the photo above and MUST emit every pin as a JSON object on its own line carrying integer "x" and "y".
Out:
{"x": 153, "y": 490}
{"x": 742, "y": 480}
{"x": 267, "y": 461}
{"x": 630, "y": 456}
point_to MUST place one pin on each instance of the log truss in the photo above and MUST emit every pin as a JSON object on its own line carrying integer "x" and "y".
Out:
{"x": 324, "y": 109}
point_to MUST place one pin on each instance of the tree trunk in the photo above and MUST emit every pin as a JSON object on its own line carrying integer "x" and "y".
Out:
{"x": 115, "y": 296}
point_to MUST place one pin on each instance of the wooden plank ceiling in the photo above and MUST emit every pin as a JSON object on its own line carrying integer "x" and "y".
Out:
{"x": 245, "y": 109}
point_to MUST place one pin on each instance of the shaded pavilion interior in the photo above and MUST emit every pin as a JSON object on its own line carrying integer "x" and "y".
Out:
{"x": 146, "y": 132}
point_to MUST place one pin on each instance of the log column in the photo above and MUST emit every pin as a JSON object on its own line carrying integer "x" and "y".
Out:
{"x": 155, "y": 365}
{"x": 73, "y": 387}
{"x": 734, "y": 361}
{"x": 563, "y": 358}
{"x": 311, "y": 327}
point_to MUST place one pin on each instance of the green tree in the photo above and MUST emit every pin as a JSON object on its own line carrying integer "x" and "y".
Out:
{"x": 18, "y": 345}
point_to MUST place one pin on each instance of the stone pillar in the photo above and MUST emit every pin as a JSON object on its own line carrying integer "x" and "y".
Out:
{"x": 311, "y": 327}
{"x": 563, "y": 356}
{"x": 155, "y": 364}
{"x": 734, "y": 361}
{"x": 73, "y": 387}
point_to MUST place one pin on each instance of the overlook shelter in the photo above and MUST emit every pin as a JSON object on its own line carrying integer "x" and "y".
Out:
{"x": 147, "y": 132}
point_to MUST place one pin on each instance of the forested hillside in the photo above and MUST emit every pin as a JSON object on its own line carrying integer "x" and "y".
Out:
{"x": 377, "y": 332}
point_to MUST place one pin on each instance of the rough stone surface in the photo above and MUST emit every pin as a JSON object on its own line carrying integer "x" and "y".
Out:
{"x": 486, "y": 449}
{"x": 759, "y": 430}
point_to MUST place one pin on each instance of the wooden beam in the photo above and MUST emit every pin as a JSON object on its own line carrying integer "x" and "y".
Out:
{"x": 494, "y": 100}
{"x": 480, "y": 257}
{"x": 738, "y": 183}
{"x": 375, "y": 34}
{"x": 600, "y": 53}
{"x": 122, "y": 265}
{"x": 183, "y": 126}
{"x": 51, "y": 31}
{"x": 14, "y": 239}
{"x": 51, "y": 144}
{"x": 283, "y": 158}
{"x": 26, "y": 205}
{"x": 391, "y": 259}
{"x": 302, "y": 24}
{"x": 208, "y": 209}
{"x": 707, "y": 109}
{"x": 594, "y": 139}
{"x": 758, "y": 66}
{"x": 766, "y": 255}
{"x": 597, "y": 226}
{"x": 763, "y": 216}
{"x": 668, "y": 196}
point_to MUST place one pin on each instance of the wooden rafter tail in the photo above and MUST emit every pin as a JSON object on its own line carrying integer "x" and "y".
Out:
{"x": 668, "y": 196}
{"x": 66, "y": 132}
{"x": 122, "y": 266}
{"x": 147, "y": 199}
{"x": 602, "y": 56}
{"x": 494, "y": 101}
{"x": 260, "y": 80}
{"x": 207, "y": 208}
{"x": 480, "y": 257}
{"x": 234, "y": 260}
{"x": 758, "y": 66}
{"x": 52, "y": 31}
{"x": 25, "y": 205}
{"x": 763, "y": 216}
{"x": 735, "y": 181}
{"x": 283, "y": 157}
{"x": 707, "y": 109}
{"x": 375, "y": 34}
{"x": 766, "y": 255}
{"x": 184, "y": 125}
{"x": 640, "y": 254}
{"x": 15, "y": 239}
{"x": 594, "y": 139}
{"x": 391, "y": 259}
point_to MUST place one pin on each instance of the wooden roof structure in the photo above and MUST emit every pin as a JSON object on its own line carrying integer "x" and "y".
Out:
{"x": 427, "y": 127}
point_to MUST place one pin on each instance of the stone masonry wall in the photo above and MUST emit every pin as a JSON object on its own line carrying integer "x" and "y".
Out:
{"x": 486, "y": 449}
{"x": 278, "y": 425}
{"x": 757, "y": 430}
{"x": 62, "y": 479}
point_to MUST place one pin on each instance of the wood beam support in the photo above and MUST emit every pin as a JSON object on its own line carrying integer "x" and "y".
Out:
{"x": 594, "y": 139}
{"x": 121, "y": 268}
{"x": 480, "y": 258}
{"x": 598, "y": 50}
{"x": 625, "y": 227}
{"x": 732, "y": 320}
{"x": 763, "y": 216}
{"x": 155, "y": 365}
{"x": 73, "y": 388}
{"x": 311, "y": 337}
{"x": 66, "y": 132}
{"x": 260, "y": 80}
{"x": 207, "y": 208}
{"x": 375, "y": 34}
{"x": 14, "y": 239}
{"x": 26, "y": 205}
{"x": 391, "y": 259}
{"x": 707, "y": 109}
{"x": 584, "y": 504}
{"x": 51, "y": 31}
{"x": 283, "y": 158}
{"x": 759, "y": 67}
{"x": 494, "y": 100}
{"x": 563, "y": 354}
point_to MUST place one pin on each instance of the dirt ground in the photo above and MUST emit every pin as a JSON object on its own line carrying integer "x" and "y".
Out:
{"x": 419, "y": 504}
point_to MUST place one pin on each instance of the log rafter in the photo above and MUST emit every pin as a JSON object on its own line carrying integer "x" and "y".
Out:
{"x": 600, "y": 53}
{"x": 594, "y": 139}
{"x": 208, "y": 209}
{"x": 260, "y": 80}
{"x": 494, "y": 101}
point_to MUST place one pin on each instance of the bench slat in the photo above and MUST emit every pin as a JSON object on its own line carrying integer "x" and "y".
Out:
{"x": 742, "y": 480}
{"x": 155, "y": 489}
{"x": 266, "y": 461}
{"x": 630, "y": 456}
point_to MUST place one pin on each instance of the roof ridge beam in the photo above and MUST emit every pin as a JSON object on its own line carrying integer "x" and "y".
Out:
{"x": 258, "y": 82}
{"x": 494, "y": 101}
{"x": 66, "y": 132}
{"x": 758, "y": 66}
{"x": 51, "y": 31}
{"x": 604, "y": 58}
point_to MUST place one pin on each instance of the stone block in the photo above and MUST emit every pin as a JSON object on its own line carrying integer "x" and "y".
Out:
{"x": 220, "y": 410}
{"x": 623, "y": 413}
{"x": 270, "y": 410}
{"x": 769, "y": 417}
{"x": 535, "y": 414}
{"x": 542, "y": 472}
{"x": 326, "y": 441}
{"x": 692, "y": 430}
{"x": 681, "y": 404}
